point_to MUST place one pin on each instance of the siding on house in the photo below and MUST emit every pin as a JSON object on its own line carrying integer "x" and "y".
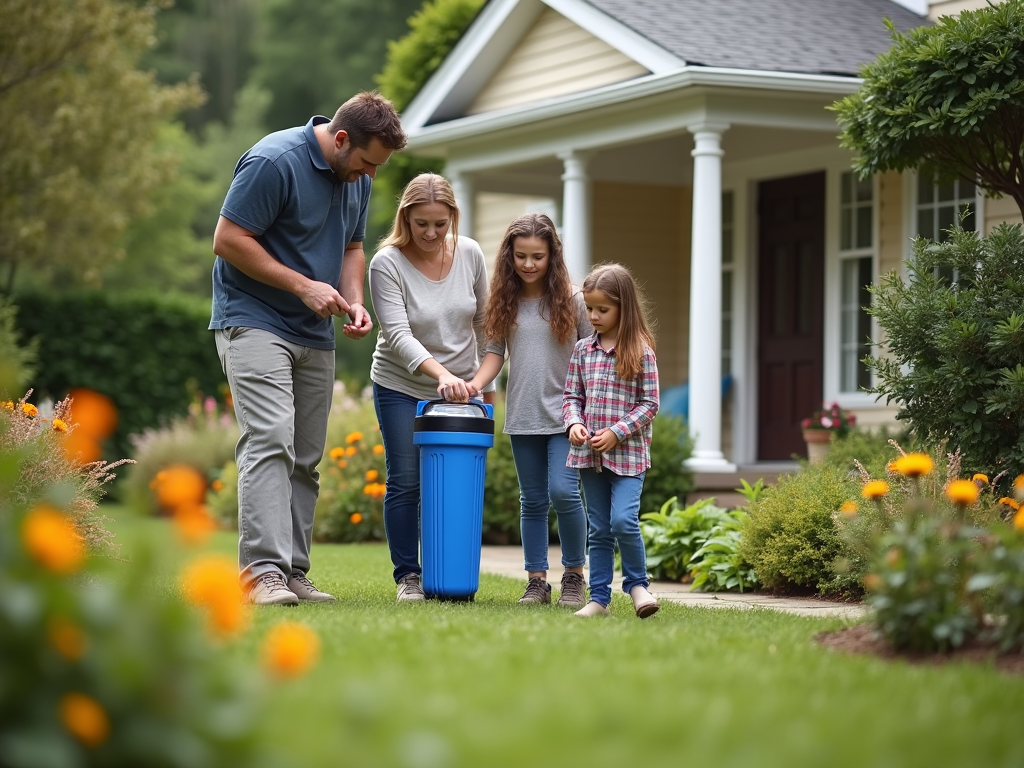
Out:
{"x": 554, "y": 58}
{"x": 891, "y": 237}
{"x": 953, "y": 7}
{"x": 494, "y": 211}
{"x": 1000, "y": 209}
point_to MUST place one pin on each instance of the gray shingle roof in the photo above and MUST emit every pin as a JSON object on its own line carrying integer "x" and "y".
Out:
{"x": 813, "y": 36}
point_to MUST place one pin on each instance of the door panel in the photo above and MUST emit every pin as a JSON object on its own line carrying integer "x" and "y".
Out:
{"x": 791, "y": 270}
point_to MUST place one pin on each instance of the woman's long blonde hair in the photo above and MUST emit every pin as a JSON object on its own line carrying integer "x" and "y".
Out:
{"x": 617, "y": 283}
{"x": 424, "y": 189}
{"x": 557, "y": 306}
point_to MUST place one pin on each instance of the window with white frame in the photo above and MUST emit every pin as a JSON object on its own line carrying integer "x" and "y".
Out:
{"x": 856, "y": 257}
{"x": 727, "y": 273}
{"x": 940, "y": 206}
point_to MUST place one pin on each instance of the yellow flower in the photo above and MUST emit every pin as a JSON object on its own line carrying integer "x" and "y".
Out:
{"x": 378, "y": 450}
{"x": 95, "y": 413}
{"x": 59, "y": 425}
{"x": 193, "y": 523}
{"x": 371, "y": 475}
{"x": 180, "y": 485}
{"x": 914, "y": 464}
{"x": 369, "y": 489}
{"x": 29, "y": 410}
{"x": 68, "y": 639}
{"x": 342, "y": 463}
{"x": 849, "y": 509}
{"x": 1018, "y": 519}
{"x": 84, "y": 718}
{"x": 52, "y": 539}
{"x": 353, "y": 437}
{"x": 1010, "y": 503}
{"x": 350, "y": 451}
{"x": 980, "y": 478}
{"x": 290, "y": 649}
{"x": 355, "y": 518}
{"x": 1018, "y": 488}
{"x": 962, "y": 492}
{"x": 211, "y": 582}
{"x": 8, "y": 405}
{"x": 336, "y": 453}
{"x": 217, "y": 485}
{"x": 875, "y": 489}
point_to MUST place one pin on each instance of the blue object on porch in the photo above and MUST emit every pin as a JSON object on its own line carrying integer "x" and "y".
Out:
{"x": 676, "y": 400}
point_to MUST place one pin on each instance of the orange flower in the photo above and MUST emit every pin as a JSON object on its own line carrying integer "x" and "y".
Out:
{"x": 980, "y": 478}
{"x": 378, "y": 450}
{"x": 355, "y": 518}
{"x": 914, "y": 464}
{"x": 290, "y": 649}
{"x": 962, "y": 492}
{"x": 849, "y": 509}
{"x": 350, "y": 451}
{"x": 193, "y": 523}
{"x": 211, "y": 582}
{"x": 29, "y": 410}
{"x": 336, "y": 453}
{"x": 892, "y": 557}
{"x": 68, "y": 639}
{"x": 1010, "y": 503}
{"x": 342, "y": 463}
{"x": 80, "y": 448}
{"x": 84, "y": 718}
{"x": 875, "y": 489}
{"x": 1018, "y": 488}
{"x": 52, "y": 539}
{"x": 59, "y": 425}
{"x": 179, "y": 485}
{"x": 872, "y": 582}
{"x": 353, "y": 437}
{"x": 371, "y": 475}
{"x": 1018, "y": 519}
{"x": 217, "y": 485}
{"x": 8, "y": 405}
{"x": 95, "y": 413}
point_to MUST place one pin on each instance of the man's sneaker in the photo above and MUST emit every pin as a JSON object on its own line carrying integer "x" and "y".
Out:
{"x": 537, "y": 591}
{"x": 574, "y": 590}
{"x": 270, "y": 589}
{"x": 304, "y": 589}
{"x": 409, "y": 588}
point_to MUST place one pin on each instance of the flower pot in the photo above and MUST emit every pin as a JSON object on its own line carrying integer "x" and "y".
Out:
{"x": 817, "y": 444}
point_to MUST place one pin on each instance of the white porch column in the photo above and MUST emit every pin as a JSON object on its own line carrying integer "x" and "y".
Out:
{"x": 462, "y": 186}
{"x": 705, "y": 369}
{"x": 576, "y": 214}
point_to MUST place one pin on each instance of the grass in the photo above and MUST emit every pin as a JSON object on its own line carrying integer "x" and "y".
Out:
{"x": 490, "y": 683}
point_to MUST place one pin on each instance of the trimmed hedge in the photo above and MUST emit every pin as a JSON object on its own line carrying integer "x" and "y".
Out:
{"x": 150, "y": 354}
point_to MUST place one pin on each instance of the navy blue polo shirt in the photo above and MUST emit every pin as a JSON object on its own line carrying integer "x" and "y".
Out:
{"x": 303, "y": 215}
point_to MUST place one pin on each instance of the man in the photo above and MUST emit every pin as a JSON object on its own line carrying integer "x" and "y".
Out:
{"x": 289, "y": 258}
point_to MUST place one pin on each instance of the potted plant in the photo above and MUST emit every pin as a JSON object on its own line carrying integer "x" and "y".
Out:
{"x": 819, "y": 427}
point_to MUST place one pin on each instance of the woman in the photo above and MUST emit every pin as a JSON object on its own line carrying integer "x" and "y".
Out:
{"x": 429, "y": 292}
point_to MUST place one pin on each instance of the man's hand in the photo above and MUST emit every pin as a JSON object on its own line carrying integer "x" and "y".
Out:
{"x": 323, "y": 299}
{"x": 361, "y": 323}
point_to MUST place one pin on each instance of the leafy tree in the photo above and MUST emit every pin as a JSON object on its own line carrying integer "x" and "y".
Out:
{"x": 76, "y": 140}
{"x": 951, "y": 95}
{"x": 433, "y": 32}
{"x": 955, "y": 348}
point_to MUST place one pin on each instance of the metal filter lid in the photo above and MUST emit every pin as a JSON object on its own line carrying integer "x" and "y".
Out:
{"x": 443, "y": 416}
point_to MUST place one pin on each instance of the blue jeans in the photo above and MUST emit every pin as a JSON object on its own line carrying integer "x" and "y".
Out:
{"x": 544, "y": 482}
{"x": 613, "y": 509}
{"x": 396, "y": 414}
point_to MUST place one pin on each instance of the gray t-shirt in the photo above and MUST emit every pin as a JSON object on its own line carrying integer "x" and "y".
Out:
{"x": 421, "y": 318}
{"x": 536, "y": 369}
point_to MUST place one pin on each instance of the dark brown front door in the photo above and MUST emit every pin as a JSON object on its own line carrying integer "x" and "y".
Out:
{"x": 791, "y": 259}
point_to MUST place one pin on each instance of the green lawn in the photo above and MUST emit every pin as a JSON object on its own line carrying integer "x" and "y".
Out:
{"x": 491, "y": 683}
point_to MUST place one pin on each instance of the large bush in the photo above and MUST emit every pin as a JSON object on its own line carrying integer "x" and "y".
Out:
{"x": 953, "y": 355}
{"x": 671, "y": 445}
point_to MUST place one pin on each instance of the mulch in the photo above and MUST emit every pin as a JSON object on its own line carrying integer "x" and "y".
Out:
{"x": 864, "y": 639}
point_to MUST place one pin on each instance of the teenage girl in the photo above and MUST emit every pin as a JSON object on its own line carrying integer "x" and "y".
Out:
{"x": 611, "y": 398}
{"x": 536, "y": 315}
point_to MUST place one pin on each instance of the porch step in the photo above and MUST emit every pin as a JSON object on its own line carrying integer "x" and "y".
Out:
{"x": 722, "y": 485}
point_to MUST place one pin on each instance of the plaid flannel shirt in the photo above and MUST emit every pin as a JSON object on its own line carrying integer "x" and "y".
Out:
{"x": 597, "y": 398}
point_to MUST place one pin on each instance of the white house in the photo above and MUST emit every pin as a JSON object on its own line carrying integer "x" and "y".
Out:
{"x": 691, "y": 141}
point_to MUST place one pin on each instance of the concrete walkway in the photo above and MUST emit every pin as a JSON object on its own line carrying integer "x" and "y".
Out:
{"x": 508, "y": 561}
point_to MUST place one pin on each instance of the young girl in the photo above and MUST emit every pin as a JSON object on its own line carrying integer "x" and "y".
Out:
{"x": 611, "y": 398}
{"x": 535, "y": 314}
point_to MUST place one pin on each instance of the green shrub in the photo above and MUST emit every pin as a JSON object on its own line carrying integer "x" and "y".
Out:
{"x": 954, "y": 342}
{"x": 501, "y": 489}
{"x": 152, "y": 355}
{"x": 1003, "y": 559}
{"x": 672, "y": 534}
{"x": 718, "y": 565}
{"x": 204, "y": 439}
{"x": 871, "y": 449}
{"x": 791, "y": 538}
{"x": 17, "y": 360}
{"x": 671, "y": 445}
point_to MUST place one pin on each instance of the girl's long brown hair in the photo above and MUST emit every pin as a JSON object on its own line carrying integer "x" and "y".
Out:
{"x": 557, "y": 306}
{"x": 617, "y": 283}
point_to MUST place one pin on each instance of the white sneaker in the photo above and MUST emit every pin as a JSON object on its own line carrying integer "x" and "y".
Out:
{"x": 644, "y": 603}
{"x": 409, "y": 588}
{"x": 304, "y": 589}
{"x": 592, "y": 609}
{"x": 270, "y": 589}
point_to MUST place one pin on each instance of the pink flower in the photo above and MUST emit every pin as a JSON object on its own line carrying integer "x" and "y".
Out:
{"x": 826, "y": 422}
